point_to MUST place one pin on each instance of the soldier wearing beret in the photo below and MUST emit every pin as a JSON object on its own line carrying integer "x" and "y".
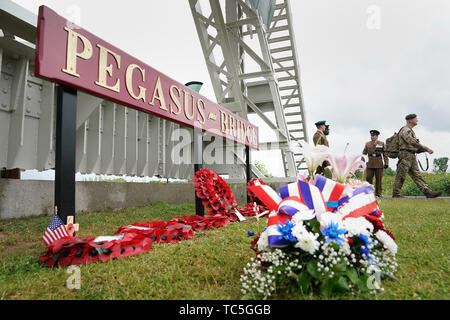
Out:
{"x": 375, "y": 151}
{"x": 409, "y": 145}
{"x": 327, "y": 130}
{"x": 320, "y": 138}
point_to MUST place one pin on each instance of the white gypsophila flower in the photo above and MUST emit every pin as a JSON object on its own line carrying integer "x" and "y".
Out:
{"x": 263, "y": 241}
{"x": 372, "y": 269}
{"x": 387, "y": 241}
{"x": 357, "y": 226}
{"x": 307, "y": 241}
{"x": 345, "y": 249}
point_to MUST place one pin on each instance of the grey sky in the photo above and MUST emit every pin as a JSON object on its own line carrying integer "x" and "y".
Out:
{"x": 355, "y": 77}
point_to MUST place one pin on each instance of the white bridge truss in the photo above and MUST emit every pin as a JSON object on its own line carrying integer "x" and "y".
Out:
{"x": 255, "y": 69}
{"x": 113, "y": 139}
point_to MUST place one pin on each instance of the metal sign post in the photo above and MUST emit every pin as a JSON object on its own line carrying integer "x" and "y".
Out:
{"x": 248, "y": 169}
{"x": 198, "y": 151}
{"x": 65, "y": 148}
{"x": 198, "y": 164}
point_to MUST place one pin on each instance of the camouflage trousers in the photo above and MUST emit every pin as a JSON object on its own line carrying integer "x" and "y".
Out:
{"x": 407, "y": 164}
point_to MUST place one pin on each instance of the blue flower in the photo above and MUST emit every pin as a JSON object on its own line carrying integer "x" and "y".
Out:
{"x": 365, "y": 239}
{"x": 333, "y": 233}
{"x": 286, "y": 231}
{"x": 364, "y": 249}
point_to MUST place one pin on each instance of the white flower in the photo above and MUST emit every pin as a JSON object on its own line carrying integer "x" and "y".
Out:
{"x": 314, "y": 155}
{"x": 302, "y": 215}
{"x": 387, "y": 241}
{"x": 307, "y": 242}
{"x": 263, "y": 241}
{"x": 344, "y": 166}
{"x": 298, "y": 230}
{"x": 357, "y": 226}
{"x": 327, "y": 217}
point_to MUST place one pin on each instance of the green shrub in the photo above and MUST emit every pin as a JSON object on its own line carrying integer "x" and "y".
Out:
{"x": 435, "y": 182}
{"x": 389, "y": 172}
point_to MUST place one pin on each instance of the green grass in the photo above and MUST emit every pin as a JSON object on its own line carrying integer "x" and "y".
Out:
{"x": 209, "y": 265}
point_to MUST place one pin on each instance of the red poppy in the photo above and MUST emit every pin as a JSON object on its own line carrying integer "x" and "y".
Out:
{"x": 253, "y": 243}
{"x": 80, "y": 255}
{"x": 376, "y": 222}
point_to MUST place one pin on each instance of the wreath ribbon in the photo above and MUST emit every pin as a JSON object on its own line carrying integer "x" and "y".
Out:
{"x": 302, "y": 197}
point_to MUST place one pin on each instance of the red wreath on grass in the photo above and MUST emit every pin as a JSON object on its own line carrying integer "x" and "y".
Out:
{"x": 251, "y": 209}
{"x": 75, "y": 250}
{"x": 262, "y": 207}
{"x": 216, "y": 195}
{"x": 138, "y": 238}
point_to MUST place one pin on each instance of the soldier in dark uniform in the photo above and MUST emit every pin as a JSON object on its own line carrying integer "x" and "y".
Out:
{"x": 375, "y": 151}
{"x": 327, "y": 130}
{"x": 320, "y": 138}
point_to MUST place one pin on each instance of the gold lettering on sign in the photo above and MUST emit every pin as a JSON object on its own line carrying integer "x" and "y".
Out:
{"x": 237, "y": 129}
{"x": 104, "y": 68}
{"x": 72, "y": 54}
{"x": 186, "y": 105}
{"x": 249, "y": 134}
{"x": 223, "y": 122}
{"x": 129, "y": 82}
{"x": 231, "y": 125}
{"x": 158, "y": 94}
{"x": 201, "y": 111}
{"x": 243, "y": 132}
{"x": 175, "y": 99}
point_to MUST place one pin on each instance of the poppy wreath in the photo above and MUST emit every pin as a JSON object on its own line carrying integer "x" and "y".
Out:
{"x": 138, "y": 238}
{"x": 75, "y": 250}
{"x": 216, "y": 195}
{"x": 129, "y": 240}
{"x": 254, "y": 198}
{"x": 251, "y": 209}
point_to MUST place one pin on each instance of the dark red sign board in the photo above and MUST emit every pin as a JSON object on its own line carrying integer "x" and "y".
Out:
{"x": 69, "y": 55}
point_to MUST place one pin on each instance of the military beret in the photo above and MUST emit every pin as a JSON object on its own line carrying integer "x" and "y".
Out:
{"x": 327, "y": 126}
{"x": 410, "y": 116}
{"x": 374, "y": 132}
{"x": 319, "y": 123}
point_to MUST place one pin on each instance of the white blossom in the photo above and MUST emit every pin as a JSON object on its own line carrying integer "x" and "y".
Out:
{"x": 387, "y": 241}
{"x": 307, "y": 242}
{"x": 263, "y": 241}
{"x": 357, "y": 226}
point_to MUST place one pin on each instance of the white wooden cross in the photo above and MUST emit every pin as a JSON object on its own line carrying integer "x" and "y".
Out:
{"x": 71, "y": 227}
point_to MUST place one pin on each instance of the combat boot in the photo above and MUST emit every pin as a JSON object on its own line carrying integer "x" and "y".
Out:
{"x": 433, "y": 194}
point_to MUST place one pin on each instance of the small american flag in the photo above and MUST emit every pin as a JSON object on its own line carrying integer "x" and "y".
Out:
{"x": 55, "y": 230}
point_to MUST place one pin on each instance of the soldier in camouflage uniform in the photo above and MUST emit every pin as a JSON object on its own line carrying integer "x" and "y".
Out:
{"x": 409, "y": 145}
